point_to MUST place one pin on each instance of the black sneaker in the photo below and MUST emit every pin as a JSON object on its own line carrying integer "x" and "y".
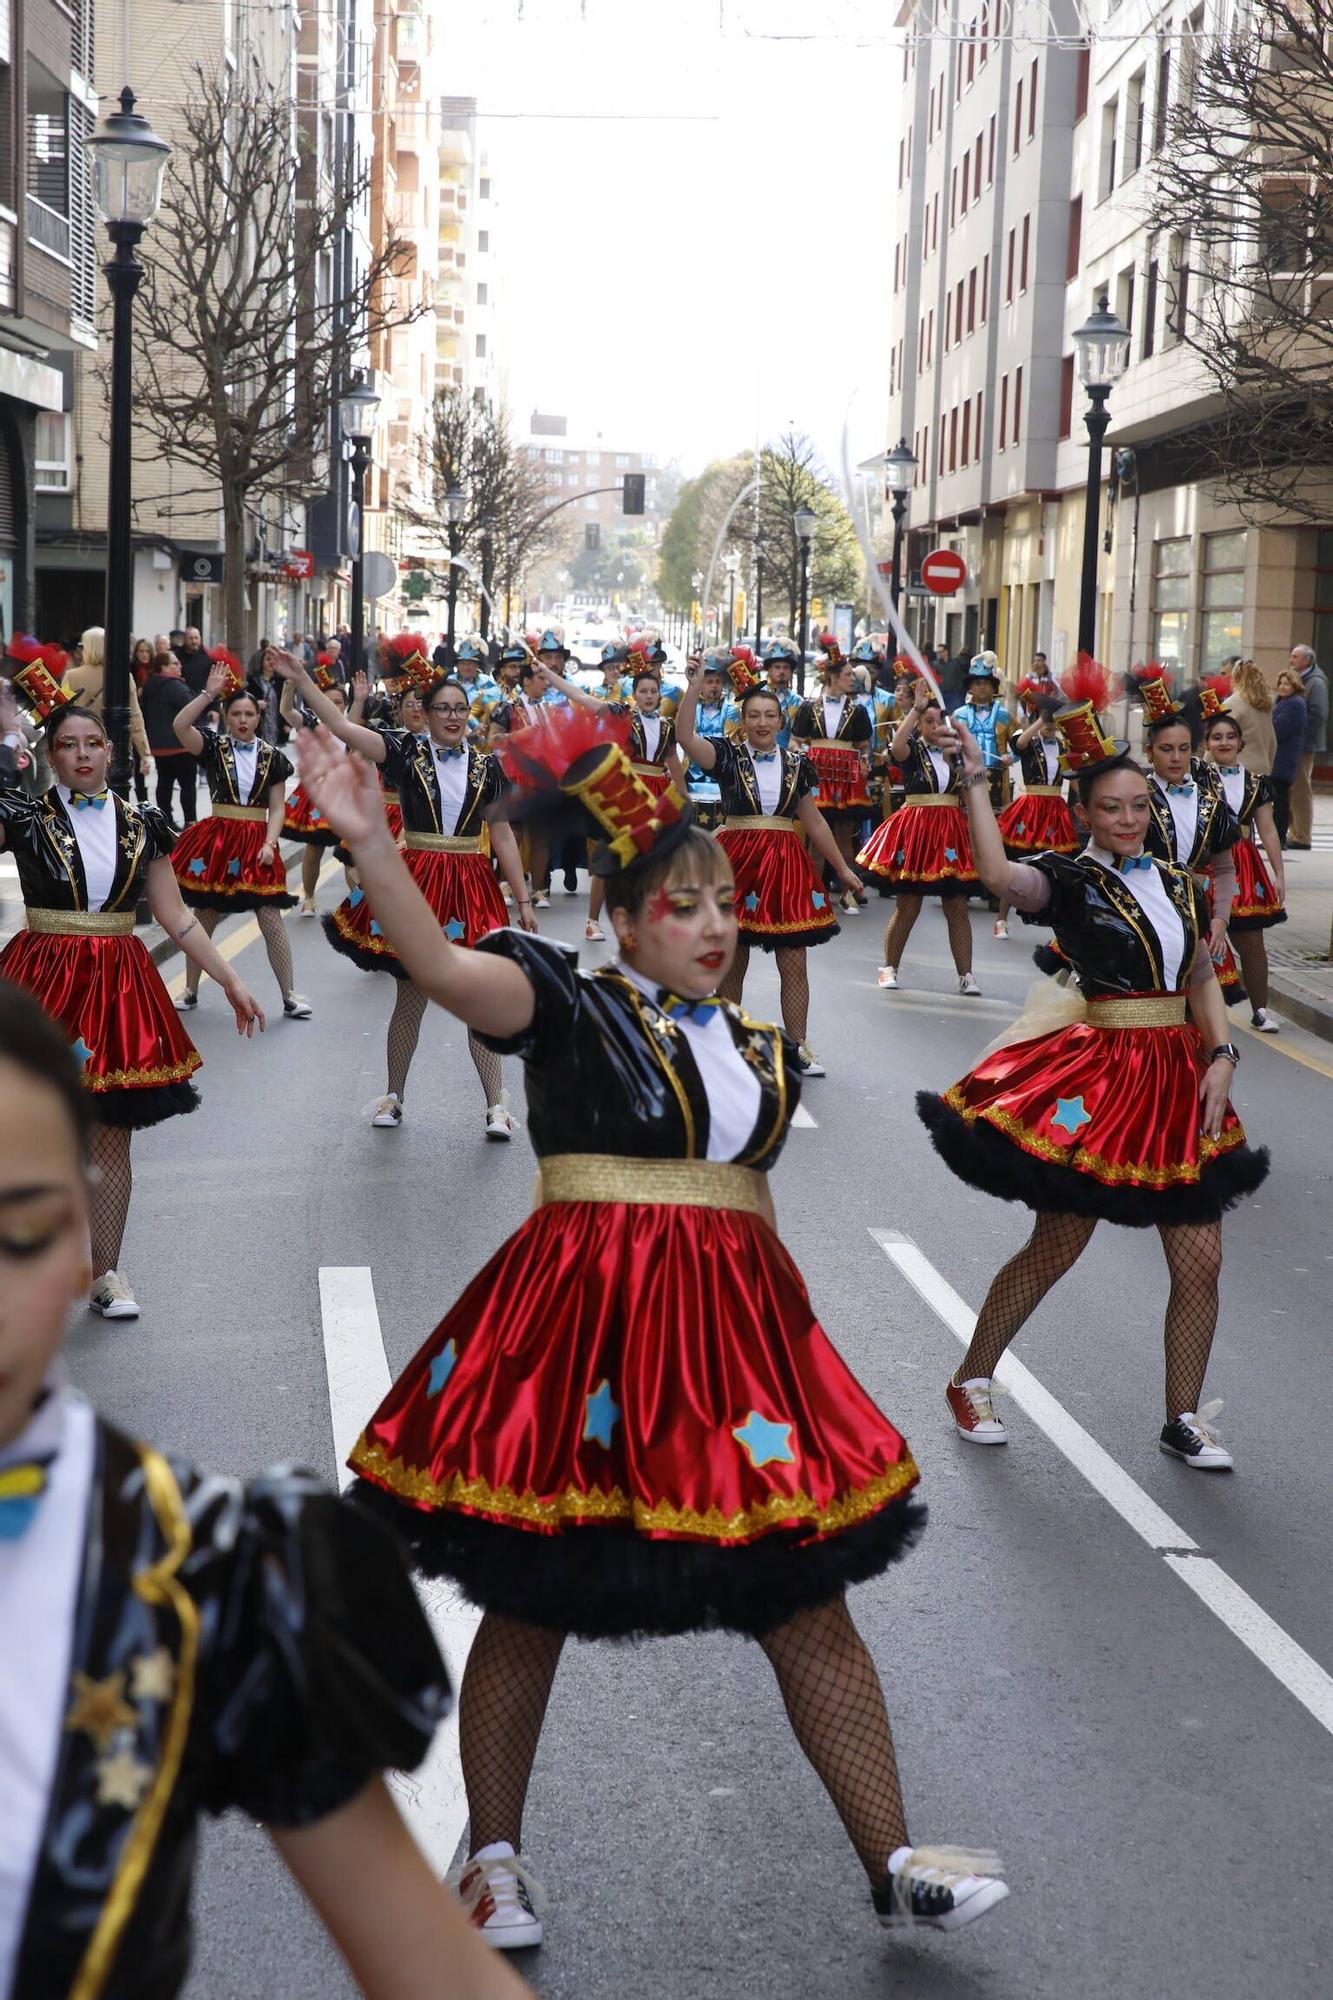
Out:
{"x": 1193, "y": 1439}
{"x": 943, "y": 1887}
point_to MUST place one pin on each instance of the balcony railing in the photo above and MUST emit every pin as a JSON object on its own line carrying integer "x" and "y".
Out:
{"x": 46, "y": 229}
{"x": 8, "y": 241}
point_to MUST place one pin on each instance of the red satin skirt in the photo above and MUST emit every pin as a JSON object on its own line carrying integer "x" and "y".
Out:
{"x": 393, "y": 814}
{"x": 922, "y": 851}
{"x": 780, "y": 899}
{"x": 108, "y": 997}
{"x": 304, "y": 821}
{"x": 632, "y": 1422}
{"x": 1038, "y": 825}
{"x": 217, "y": 864}
{"x": 1256, "y": 907}
{"x": 460, "y": 889}
{"x": 1098, "y": 1122}
{"x": 842, "y": 781}
{"x": 1228, "y": 967}
{"x": 652, "y": 775}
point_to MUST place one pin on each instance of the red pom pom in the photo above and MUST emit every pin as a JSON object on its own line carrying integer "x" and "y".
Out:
{"x": 54, "y": 658}
{"x": 220, "y": 657}
{"x": 1087, "y": 680}
{"x": 403, "y": 645}
{"x": 1219, "y": 684}
{"x": 23, "y": 648}
{"x": 1146, "y": 670}
{"x": 538, "y": 757}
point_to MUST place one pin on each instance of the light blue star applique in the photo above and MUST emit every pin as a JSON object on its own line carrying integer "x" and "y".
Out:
{"x": 752, "y": 901}
{"x": 454, "y": 930}
{"x": 233, "y": 867}
{"x": 357, "y": 897}
{"x": 899, "y": 858}
{"x": 81, "y": 1052}
{"x": 442, "y": 1367}
{"x": 951, "y": 853}
{"x": 196, "y": 867}
{"x": 818, "y": 898}
{"x": 375, "y": 930}
{"x": 602, "y": 1416}
{"x": 1021, "y": 827}
{"x": 765, "y": 1442}
{"x": 1071, "y": 1115}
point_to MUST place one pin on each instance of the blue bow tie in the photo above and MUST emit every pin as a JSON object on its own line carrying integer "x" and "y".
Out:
{"x": 1129, "y": 862}
{"x": 1181, "y": 791}
{"x": 681, "y": 1010}
{"x": 1227, "y": 770}
{"x": 21, "y": 1487}
{"x": 764, "y": 756}
{"x": 82, "y": 800}
{"x": 442, "y": 752}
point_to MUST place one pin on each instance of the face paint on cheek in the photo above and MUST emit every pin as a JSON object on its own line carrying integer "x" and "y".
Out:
{"x": 661, "y": 907}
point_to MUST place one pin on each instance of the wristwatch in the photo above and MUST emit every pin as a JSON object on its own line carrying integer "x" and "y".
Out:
{"x": 1227, "y": 1049}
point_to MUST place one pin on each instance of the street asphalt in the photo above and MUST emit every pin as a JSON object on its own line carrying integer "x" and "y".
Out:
{"x": 1162, "y": 1799}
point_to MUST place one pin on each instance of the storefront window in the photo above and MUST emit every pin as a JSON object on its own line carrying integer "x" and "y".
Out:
{"x": 1223, "y": 599}
{"x": 1171, "y": 606}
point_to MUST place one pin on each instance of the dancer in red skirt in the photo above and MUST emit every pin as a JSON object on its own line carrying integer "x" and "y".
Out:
{"x": 769, "y": 799}
{"x": 1260, "y": 892}
{"x": 301, "y": 820}
{"x": 837, "y": 733}
{"x": 923, "y": 850}
{"x": 231, "y": 862}
{"x": 85, "y": 857}
{"x": 446, "y": 787}
{"x": 631, "y": 1423}
{"x": 1121, "y": 1115}
{"x": 1191, "y": 823}
{"x": 1038, "y": 821}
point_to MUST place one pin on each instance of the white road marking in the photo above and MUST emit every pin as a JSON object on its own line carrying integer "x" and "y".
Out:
{"x": 1275, "y": 1649}
{"x": 800, "y": 1116}
{"x": 432, "y": 1797}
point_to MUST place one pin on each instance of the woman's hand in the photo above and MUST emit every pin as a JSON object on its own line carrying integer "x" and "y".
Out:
{"x": 343, "y": 786}
{"x": 249, "y": 1014}
{"x": 922, "y": 696}
{"x": 851, "y": 880}
{"x": 218, "y": 676}
{"x": 526, "y": 919}
{"x": 267, "y": 854}
{"x": 1217, "y": 941}
{"x": 360, "y": 685}
{"x": 694, "y": 666}
{"x": 286, "y": 666}
{"x": 1214, "y": 1092}
{"x": 965, "y": 744}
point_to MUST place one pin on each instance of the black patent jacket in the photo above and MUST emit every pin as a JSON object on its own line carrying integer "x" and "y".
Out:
{"x": 1215, "y": 830}
{"x": 409, "y": 768}
{"x": 40, "y": 835}
{"x": 738, "y": 783}
{"x": 1103, "y": 932}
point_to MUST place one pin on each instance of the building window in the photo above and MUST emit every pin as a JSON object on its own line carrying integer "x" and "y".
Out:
{"x": 1082, "y": 77}
{"x": 1124, "y": 298}
{"x": 990, "y": 153}
{"x": 1009, "y": 269}
{"x": 53, "y": 453}
{"x": 972, "y": 299}
{"x": 1032, "y": 103}
{"x": 1135, "y": 109}
{"x": 1004, "y": 410}
{"x": 967, "y": 170}
{"x": 980, "y": 407}
{"x": 483, "y": 295}
{"x": 1178, "y": 292}
{"x": 1223, "y": 598}
{"x": 1074, "y": 251}
{"x": 1170, "y": 604}
{"x": 481, "y": 347}
{"x": 1018, "y": 115}
{"x": 554, "y": 457}
{"x": 484, "y": 188}
{"x": 1023, "y": 260}
{"x": 1150, "y": 300}
{"x": 1067, "y": 396}
{"x": 1106, "y": 169}
{"x": 985, "y": 287}
{"x": 1162, "y": 107}
{"x": 967, "y": 432}
{"x": 1018, "y": 404}
{"x": 483, "y": 241}
{"x": 953, "y": 439}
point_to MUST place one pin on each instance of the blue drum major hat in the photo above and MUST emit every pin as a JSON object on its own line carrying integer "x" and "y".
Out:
{"x": 984, "y": 667}
{"x": 515, "y": 653}
{"x": 870, "y": 652}
{"x": 551, "y": 639}
{"x": 474, "y": 648}
{"x": 781, "y": 652}
{"x": 615, "y": 653}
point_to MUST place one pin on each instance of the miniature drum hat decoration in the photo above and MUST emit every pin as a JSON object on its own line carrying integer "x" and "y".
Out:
{"x": 326, "y": 675}
{"x": 1157, "y": 703}
{"x": 580, "y": 756}
{"x": 832, "y": 651}
{"x": 220, "y": 657}
{"x": 406, "y": 662}
{"x": 1084, "y": 743}
{"x": 1213, "y": 693}
{"x": 40, "y": 680}
{"x": 741, "y": 672}
{"x": 644, "y": 653}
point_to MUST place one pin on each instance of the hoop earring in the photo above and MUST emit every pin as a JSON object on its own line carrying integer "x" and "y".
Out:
{"x": 629, "y": 939}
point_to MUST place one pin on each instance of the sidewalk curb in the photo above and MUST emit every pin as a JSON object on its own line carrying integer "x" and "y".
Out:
{"x": 1309, "y": 1011}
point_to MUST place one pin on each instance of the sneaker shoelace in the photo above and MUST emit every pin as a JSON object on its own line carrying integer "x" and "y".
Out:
{"x": 982, "y": 1401}
{"x": 1203, "y": 1423}
{"x": 508, "y": 1880}
{"x": 925, "y": 1884}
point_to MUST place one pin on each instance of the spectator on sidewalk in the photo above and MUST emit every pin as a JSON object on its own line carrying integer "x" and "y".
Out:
{"x": 1315, "y": 682}
{"x": 86, "y": 675}
{"x": 1251, "y": 702}
{"x": 1289, "y": 720}
{"x": 165, "y": 694}
{"x": 267, "y": 691}
{"x": 195, "y": 659}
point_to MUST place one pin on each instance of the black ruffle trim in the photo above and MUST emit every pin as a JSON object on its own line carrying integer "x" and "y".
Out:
{"x": 985, "y": 1159}
{"x": 320, "y": 838}
{"x": 241, "y": 904}
{"x": 369, "y": 961}
{"x": 1257, "y": 923}
{"x": 603, "y": 1581}
{"x": 1050, "y": 961}
{"x": 879, "y": 879}
{"x": 134, "y": 1110}
{"x": 804, "y": 939}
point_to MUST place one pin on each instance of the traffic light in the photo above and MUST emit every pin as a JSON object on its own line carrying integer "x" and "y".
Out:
{"x": 633, "y": 493}
{"x": 592, "y": 535}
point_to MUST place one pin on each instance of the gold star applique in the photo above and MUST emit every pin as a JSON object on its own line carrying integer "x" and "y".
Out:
{"x": 755, "y": 1053}
{"x": 153, "y": 1676}
{"x": 100, "y": 1708}
{"x": 122, "y": 1780}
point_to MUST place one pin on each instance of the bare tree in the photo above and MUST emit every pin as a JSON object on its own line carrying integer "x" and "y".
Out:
{"x": 791, "y": 476}
{"x": 1242, "y": 210}
{"x": 250, "y": 324}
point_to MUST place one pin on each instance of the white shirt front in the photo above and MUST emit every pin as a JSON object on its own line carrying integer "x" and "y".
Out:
{"x": 768, "y": 779}
{"x": 651, "y": 725}
{"x": 452, "y": 775}
{"x": 95, "y": 831}
{"x": 1149, "y": 892}
{"x": 1184, "y": 817}
{"x": 39, "y": 1579}
{"x": 246, "y": 756}
{"x": 1051, "y": 753}
{"x": 940, "y": 766}
{"x": 1233, "y": 784}
{"x": 730, "y": 1085}
{"x": 833, "y": 707}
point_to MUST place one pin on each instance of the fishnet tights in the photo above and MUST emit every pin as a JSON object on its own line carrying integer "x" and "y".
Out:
{"x": 409, "y": 1010}
{"x": 109, "y": 1196}
{"x": 506, "y": 1686}
{"x": 276, "y": 944}
{"x": 907, "y": 909}
{"x": 836, "y": 1706}
{"x": 1194, "y": 1260}
{"x": 793, "y": 979}
{"x": 1253, "y": 955}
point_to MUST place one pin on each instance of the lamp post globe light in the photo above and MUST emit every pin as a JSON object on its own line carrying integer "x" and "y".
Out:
{"x": 805, "y": 521}
{"x": 455, "y": 507}
{"x": 128, "y": 163}
{"x": 899, "y": 472}
{"x": 356, "y": 426}
{"x": 1101, "y": 348}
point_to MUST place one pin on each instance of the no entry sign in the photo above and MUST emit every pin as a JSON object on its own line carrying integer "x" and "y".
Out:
{"x": 944, "y": 572}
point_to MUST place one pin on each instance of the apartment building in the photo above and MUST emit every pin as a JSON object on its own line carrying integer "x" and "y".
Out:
{"x": 470, "y": 308}
{"x": 571, "y": 470}
{"x": 48, "y": 106}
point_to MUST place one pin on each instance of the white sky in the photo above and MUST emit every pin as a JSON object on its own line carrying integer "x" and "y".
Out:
{"x": 677, "y": 282}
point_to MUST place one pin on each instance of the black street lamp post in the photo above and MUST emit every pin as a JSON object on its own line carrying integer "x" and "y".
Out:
{"x": 805, "y": 520}
{"x": 1102, "y": 347}
{"x": 697, "y": 584}
{"x": 487, "y": 565}
{"x": 129, "y": 160}
{"x": 731, "y": 563}
{"x": 356, "y": 423}
{"x": 455, "y": 503}
{"x": 758, "y": 596}
{"x": 899, "y": 471}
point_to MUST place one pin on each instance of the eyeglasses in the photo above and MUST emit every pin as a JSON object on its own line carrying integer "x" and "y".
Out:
{"x": 448, "y": 708}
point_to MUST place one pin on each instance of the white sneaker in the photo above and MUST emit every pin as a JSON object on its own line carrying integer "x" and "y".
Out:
{"x": 295, "y": 1008}
{"x": 594, "y": 932}
{"x": 850, "y": 906}
{"x": 1263, "y": 1022}
{"x": 1192, "y": 1438}
{"x": 541, "y": 901}
{"x": 307, "y": 908}
{"x": 810, "y": 1065}
{"x": 186, "y": 1002}
{"x": 501, "y": 1896}
{"x": 972, "y": 1407}
{"x": 112, "y": 1297}
{"x": 999, "y": 928}
{"x": 968, "y": 985}
{"x": 388, "y": 1111}
{"x": 942, "y": 1887}
{"x": 887, "y": 977}
{"x": 500, "y": 1121}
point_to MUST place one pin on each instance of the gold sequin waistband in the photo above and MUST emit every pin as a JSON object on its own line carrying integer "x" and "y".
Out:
{"x": 649, "y": 770}
{"x": 672, "y": 1183}
{"x": 240, "y": 812}
{"x": 444, "y": 843}
{"x": 758, "y": 823}
{"x": 1043, "y": 791}
{"x": 1149, "y": 1010}
{"x": 934, "y": 799}
{"x": 389, "y": 795}
{"x": 80, "y": 923}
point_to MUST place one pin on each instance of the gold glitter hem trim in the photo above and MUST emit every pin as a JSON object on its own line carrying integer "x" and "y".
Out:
{"x": 143, "y": 1079}
{"x": 1077, "y": 1158}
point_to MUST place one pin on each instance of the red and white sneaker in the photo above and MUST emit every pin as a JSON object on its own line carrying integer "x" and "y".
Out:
{"x": 944, "y": 1887}
{"x": 973, "y": 1411}
{"x": 501, "y": 1896}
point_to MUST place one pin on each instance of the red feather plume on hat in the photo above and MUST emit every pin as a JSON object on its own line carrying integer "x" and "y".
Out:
{"x": 54, "y": 658}
{"x": 1146, "y": 670}
{"x": 23, "y": 648}
{"x": 1218, "y": 684}
{"x": 1087, "y": 680}
{"x": 536, "y": 758}
{"x": 830, "y": 647}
